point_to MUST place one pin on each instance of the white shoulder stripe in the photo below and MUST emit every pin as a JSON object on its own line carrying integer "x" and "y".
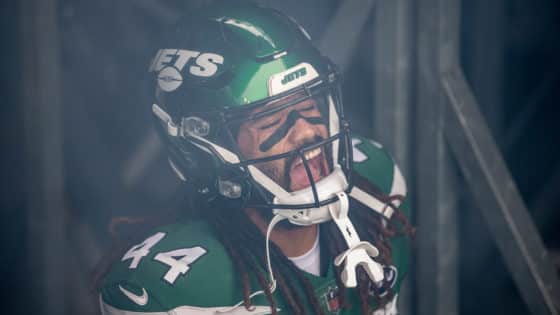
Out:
{"x": 107, "y": 309}
{"x": 371, "y": 202}
{"x": 398, "y": 187}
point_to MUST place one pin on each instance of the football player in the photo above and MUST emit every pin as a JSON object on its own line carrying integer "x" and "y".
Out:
{"x": 295, "y": 214}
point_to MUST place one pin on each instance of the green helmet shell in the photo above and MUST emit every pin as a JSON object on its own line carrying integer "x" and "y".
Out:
{"x": 218, "y": 65}
{"x": 224, "y": 56}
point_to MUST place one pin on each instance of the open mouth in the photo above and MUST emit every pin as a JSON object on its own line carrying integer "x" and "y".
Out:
{"x": 317, "y": 165}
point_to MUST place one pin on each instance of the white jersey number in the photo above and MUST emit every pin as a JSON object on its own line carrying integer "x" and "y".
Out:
{"x": 179, "y": 261}
{"x": 137, "y": 252}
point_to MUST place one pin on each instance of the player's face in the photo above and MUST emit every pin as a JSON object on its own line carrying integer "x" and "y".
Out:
{"x": 284, "y": 131}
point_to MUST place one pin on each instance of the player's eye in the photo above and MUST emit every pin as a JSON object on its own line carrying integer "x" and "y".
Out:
{"x": 270, "y": 125}
{"x": 307, "y": 108}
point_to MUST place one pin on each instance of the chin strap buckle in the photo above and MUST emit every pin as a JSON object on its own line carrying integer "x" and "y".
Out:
{"x": 359, "y": 253}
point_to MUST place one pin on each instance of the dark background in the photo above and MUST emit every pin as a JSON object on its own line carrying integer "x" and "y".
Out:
{"x": 112, "y": 165}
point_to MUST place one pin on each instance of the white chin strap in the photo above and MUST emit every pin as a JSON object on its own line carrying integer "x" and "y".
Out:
{"x": 277, "y": 218}
{"x": 359, "y": 253}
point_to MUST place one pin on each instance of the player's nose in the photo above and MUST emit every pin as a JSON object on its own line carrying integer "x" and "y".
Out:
{"x": 301, "y": 132}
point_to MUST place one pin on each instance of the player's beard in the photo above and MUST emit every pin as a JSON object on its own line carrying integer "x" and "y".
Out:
{"x": 284, "y": 180}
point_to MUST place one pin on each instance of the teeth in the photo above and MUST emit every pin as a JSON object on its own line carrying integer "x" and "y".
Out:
{"x": 308, "y": 156}
{"x": 311, "y": 154}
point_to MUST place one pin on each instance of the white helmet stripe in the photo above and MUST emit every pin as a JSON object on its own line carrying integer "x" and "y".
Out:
{"x": 224, "y": 153}
{"x": 172, "y": 129}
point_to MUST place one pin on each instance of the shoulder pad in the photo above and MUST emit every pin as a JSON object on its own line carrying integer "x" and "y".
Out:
{"x": 372, "y": 162}
{"x": 376, "y": 172}
{"x": 178, "y": 267}
{"x": 377, "y": 167}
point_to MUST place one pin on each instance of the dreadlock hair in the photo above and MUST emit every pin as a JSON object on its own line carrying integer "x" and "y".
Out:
{"x": 245, "y": 244}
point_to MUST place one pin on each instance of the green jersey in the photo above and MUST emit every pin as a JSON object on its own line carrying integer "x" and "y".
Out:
{"x": 183, "y": 269}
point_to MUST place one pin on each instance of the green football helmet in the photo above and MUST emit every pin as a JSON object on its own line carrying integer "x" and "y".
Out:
{"x": 231, "y": 64}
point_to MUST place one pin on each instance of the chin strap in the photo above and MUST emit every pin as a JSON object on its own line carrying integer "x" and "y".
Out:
{"x": 277, "y": 218}
{"x": 359, "y": 253}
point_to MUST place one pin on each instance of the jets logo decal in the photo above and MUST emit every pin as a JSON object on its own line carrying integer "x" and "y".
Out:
{"x": 169, "y": 63}
{"x": 290, "y": 78}
{"x": 331, "y": 298}
{"x": 294, "y": 75}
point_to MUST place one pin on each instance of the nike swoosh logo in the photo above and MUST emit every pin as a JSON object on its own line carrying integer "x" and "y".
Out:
{"x": 138, "y": 299}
